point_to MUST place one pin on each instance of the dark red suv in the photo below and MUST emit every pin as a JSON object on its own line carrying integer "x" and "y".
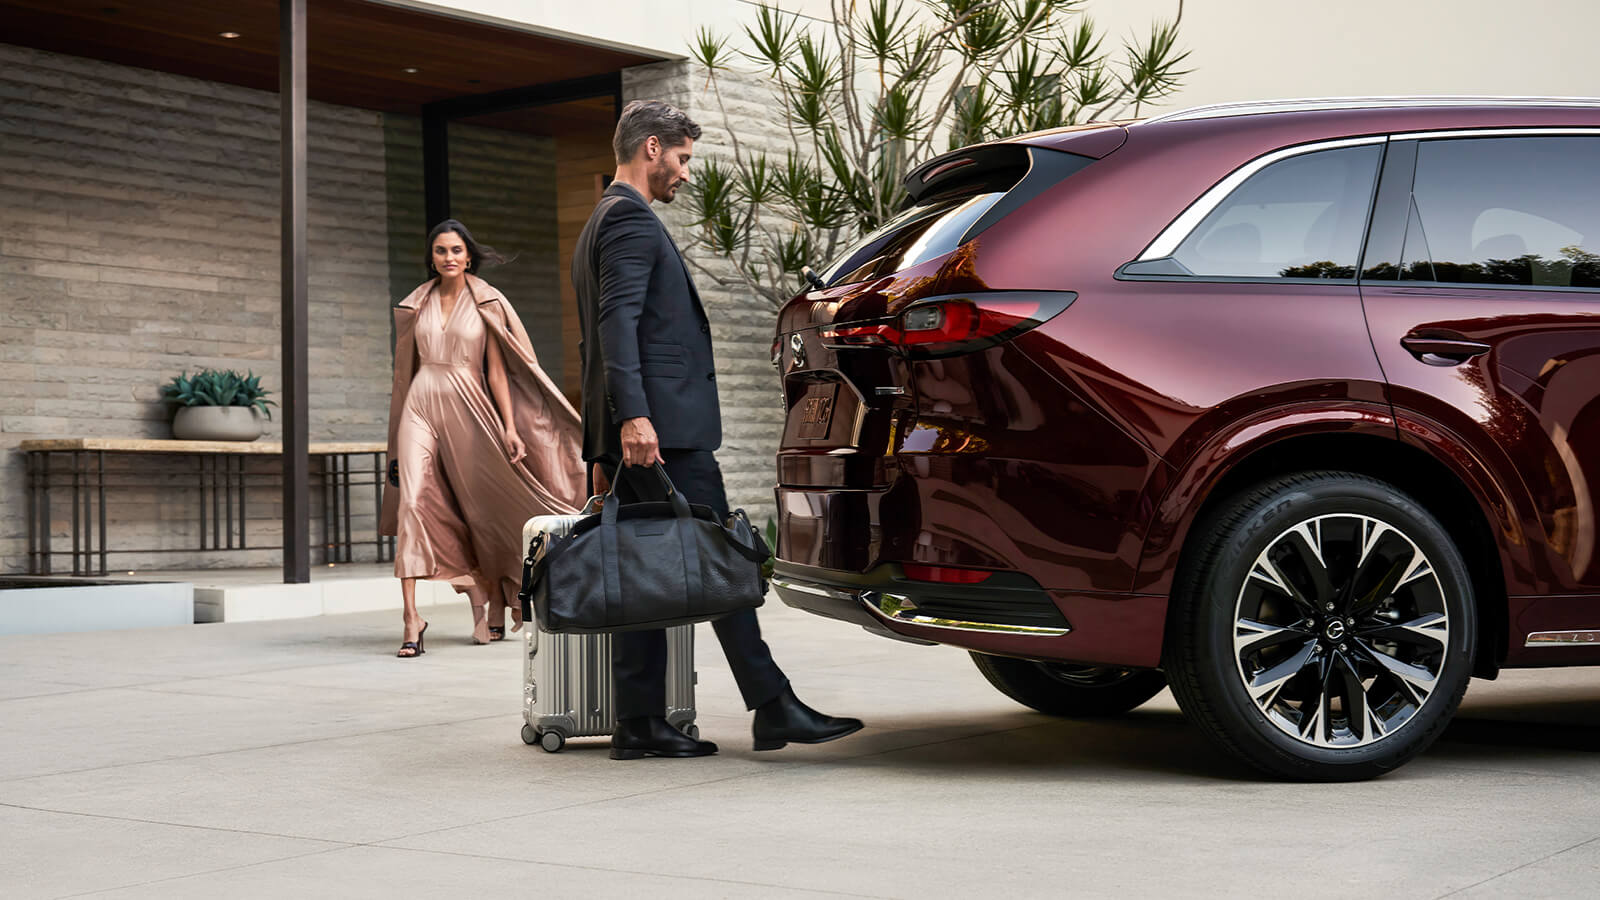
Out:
{"x": 1294, "y": 406}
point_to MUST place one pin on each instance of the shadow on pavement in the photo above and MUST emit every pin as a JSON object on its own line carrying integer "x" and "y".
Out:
{"x": 1134, "y": 746}
{"x": 1531, "y": 734}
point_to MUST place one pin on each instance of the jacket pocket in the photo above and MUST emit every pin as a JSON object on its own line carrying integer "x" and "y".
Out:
{"x": 663, "y": 361}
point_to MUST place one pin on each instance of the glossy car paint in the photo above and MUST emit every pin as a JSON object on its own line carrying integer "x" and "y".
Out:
{"x": 1082, "y": 452}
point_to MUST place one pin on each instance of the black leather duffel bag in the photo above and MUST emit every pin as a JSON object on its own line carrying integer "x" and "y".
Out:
{"x": 635, "y": 566}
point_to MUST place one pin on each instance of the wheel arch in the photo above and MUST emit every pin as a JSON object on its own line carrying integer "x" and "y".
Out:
{"x": 1458, "y": 504}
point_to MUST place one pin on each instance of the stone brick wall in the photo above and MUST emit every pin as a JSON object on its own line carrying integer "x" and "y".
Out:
{"x": 140, "y": 239}
{"x": 503, "y": 188}
{"x": 742, "y": 324}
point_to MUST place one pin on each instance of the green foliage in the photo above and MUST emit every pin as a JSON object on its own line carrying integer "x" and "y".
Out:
{"x": 887, "y": 85}
{"x": 772, "y": 544}
{"x": 218, "y": 387}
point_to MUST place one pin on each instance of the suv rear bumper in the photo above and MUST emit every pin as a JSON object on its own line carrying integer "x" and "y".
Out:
{"x": 1010, "y": 616}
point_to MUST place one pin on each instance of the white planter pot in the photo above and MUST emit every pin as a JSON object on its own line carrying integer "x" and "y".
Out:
{"x": 216, "y": 423}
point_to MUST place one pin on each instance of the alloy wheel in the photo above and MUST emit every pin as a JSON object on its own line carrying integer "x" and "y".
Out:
{"x": 1340, "y": 630}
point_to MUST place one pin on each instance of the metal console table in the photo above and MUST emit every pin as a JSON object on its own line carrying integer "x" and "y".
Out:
{"x": 78, "y": 465}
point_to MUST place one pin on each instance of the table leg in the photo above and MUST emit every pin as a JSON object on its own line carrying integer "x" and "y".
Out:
{"x": 77, "y": 466}
{"x": 227, "y": 495}
{"x": 30, "y": 475}
{"x": 44, "y": 513}
{"x": 243, "y": 492}
{"x": 100, "y": 500}
{"x": 216, "y": 503}
{"x": 344, "y": 474}
{"x": 200, "y": 463}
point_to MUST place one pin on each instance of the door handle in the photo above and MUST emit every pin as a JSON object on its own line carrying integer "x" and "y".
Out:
{"x": 1437, "y": 351}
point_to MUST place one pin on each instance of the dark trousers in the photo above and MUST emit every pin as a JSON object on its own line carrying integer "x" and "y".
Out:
{"x": 639, "y": 658}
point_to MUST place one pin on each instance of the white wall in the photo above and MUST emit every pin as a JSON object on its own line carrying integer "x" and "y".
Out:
{"x": 1257, "y": 49}
{"x": 1243, "y": 49}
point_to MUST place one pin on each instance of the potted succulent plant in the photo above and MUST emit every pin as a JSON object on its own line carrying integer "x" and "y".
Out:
{"x": 217, "y": 405}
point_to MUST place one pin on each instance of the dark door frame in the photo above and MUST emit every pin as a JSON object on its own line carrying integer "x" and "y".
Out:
{"x": 436, "y": 119}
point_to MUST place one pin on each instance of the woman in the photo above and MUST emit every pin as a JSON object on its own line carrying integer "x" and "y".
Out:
{"x": 480, "y": 439}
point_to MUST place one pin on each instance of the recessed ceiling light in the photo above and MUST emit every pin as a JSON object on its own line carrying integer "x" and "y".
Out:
{"x": 411, "y": 70}
{"x": 230, "y": 35}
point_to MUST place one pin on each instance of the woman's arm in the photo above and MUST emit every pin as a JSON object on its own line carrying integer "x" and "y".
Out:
{"x": 501, "y": 389}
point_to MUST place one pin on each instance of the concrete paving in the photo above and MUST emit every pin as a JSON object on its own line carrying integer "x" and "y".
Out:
{"x": 300, "y": 758}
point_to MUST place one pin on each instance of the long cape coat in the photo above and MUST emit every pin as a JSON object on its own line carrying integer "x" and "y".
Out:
{"x": 547, "y": 423}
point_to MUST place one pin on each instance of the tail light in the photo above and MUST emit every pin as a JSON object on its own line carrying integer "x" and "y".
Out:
{"x": 945, "y": 326}
{"x": 946, "y": 574}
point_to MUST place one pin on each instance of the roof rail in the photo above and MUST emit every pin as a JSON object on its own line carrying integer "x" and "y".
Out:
{"x": 1259, "y": 107}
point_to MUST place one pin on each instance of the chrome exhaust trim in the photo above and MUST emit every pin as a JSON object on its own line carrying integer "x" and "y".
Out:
{"x": 888, "y": 607}
{"x": 1582, "y": 637}
{"x": 900, "y": 608}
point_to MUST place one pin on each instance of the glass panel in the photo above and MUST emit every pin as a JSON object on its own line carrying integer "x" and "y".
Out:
{"x": 1506, "y": 211}
{"x": 915, "y": 236}
{"x": 1301, "y": 217}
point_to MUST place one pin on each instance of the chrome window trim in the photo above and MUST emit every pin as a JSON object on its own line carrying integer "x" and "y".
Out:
{"x": 1534, "y": 131}
{"x": 1166, "y": 243}
{"x": 1314, "y": 104}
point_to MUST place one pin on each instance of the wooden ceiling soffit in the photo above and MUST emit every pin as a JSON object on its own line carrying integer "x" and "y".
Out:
{"x": 359, "y": 52}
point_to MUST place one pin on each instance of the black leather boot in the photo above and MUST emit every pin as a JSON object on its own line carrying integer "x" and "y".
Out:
{"x": 784, "y": 719}
{"x": 653, "y": 736}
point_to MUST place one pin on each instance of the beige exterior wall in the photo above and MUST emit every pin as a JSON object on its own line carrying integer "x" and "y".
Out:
{"x": 1243, "y": 49}
{"x": 1260, "y": 49}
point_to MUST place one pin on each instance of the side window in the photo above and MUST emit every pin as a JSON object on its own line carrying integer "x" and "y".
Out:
{"x": 1301, "y": 217}
{"x": 1521, "y": 210}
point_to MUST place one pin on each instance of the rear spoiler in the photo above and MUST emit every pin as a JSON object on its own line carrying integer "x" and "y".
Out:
{"x": 1000, "y": 165}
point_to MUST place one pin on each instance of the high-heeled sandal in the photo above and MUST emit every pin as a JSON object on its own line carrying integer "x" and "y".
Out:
{"x": 498, "y": 632}
{"x": 480, "y": 616}
{"x": 414, "y": 646}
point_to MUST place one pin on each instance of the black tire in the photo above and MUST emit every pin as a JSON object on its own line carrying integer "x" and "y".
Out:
{"x": 530, "y": 735}
{"x": 1322, "y": 627}
{"x": 1070, "y": 690}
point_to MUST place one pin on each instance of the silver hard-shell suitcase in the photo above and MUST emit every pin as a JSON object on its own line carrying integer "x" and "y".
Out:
{"x": 566, "y": 678}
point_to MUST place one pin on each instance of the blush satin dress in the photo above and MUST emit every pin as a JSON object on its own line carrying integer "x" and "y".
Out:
{"x": 462, "y": 502}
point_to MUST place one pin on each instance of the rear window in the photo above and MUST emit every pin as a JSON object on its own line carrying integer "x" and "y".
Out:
{"x": 953, "y": 198}
{"x": 1302, "y": 217}
{"x": 923, "y": 232}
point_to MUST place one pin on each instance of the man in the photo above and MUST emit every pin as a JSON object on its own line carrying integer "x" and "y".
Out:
{"x": 650, "y": 395}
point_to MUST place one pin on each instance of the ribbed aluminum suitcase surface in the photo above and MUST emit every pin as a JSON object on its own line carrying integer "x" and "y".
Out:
{"x": 567, "y": 688}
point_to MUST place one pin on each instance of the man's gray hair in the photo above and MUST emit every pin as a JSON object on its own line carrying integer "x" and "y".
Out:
{"x": 643, "y": 118}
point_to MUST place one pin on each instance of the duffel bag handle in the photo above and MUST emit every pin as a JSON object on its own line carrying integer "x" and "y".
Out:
{"x": 680, "y": 504}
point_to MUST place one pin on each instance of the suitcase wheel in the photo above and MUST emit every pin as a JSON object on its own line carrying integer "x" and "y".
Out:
{"x": 530, "y": 735}
{"x": 693, "y": 731}
{"x": 552, "y": 742}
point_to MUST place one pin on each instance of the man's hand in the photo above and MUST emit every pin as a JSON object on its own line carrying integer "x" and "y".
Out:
{"x": 639, "y": 444}
{"x": 602, "y": 484}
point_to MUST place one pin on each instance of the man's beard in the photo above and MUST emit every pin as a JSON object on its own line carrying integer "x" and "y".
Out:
{"x": 662, "y": 185}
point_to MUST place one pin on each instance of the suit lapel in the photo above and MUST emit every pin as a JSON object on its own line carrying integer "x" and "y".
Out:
{"x": 626, "y": 190}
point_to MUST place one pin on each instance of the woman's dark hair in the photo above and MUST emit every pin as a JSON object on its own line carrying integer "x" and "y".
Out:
{"x": 476, "y": 252}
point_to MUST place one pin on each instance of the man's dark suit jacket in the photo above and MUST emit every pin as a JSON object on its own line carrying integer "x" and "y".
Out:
{"x": 646, "y": 343}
